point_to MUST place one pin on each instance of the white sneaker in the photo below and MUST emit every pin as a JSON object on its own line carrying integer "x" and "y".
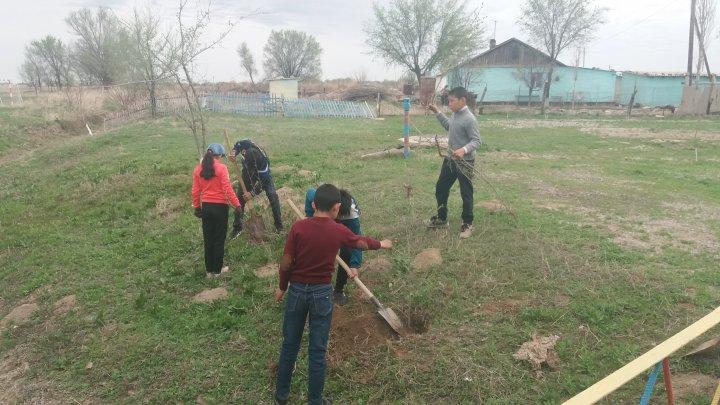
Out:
{"x": 224, "y": 270}
{"x": 466, "y": 231}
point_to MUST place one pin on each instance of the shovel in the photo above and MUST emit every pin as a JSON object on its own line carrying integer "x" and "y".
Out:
{"x": 255, "y": 223}
{"x": 385, "y": 313}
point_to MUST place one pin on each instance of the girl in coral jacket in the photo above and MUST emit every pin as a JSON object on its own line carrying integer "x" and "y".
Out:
{"x": 212, "y": 193}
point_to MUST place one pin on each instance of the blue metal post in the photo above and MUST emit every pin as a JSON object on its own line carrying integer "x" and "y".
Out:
{"x": 406, "y": 127}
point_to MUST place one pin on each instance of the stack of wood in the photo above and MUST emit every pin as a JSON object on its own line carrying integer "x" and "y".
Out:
{"x": 365, "y": 92}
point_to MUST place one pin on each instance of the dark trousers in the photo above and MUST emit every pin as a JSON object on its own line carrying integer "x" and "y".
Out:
{"x": 266, "y": 184}
{"x": 214, "y": 226}
{"x": 312, "y": 302}
{"x": 448, "y": 174}
{"x": 341, "y": 277}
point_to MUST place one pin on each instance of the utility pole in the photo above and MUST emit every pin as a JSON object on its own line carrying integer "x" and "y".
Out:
{"x": 688, "y": 81}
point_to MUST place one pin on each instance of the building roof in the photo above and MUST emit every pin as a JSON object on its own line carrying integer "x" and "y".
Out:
{"x": 495, "y": 57}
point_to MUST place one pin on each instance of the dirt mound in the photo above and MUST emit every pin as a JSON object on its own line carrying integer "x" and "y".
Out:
{"x": 267, "y": 270}
{"x": 19, "y": 314}
{"x": 427, "y": 258}
{"x": 693, "y": 384}
{"x": 211, "y": 295}
{"x": 378, "y": 264}
{"x": 491, "y": 205}
{"x": 255, "y": 226}
{"x": 65, "y": 305}
{"x": 356, "y": 330}
{"x": 305, "y": 173}
{"x": 539, "y": 350}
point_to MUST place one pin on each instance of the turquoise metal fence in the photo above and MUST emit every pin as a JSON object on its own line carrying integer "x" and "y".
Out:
{"x": 264, "y": 105}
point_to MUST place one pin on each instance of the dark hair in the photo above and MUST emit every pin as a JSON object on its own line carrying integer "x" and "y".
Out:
{"x": 326, "y": 196}
{"x": 458, "y": 93}
{"x": 345, "y": 203}
{"x": 208, "y": 165}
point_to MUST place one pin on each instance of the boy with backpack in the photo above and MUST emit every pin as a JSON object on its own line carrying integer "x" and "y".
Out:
{"x": 305, "y": 273}
{"x": 257, "y": 177}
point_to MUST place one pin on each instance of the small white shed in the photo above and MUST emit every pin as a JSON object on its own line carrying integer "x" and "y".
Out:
{"x": 286, "y": 87}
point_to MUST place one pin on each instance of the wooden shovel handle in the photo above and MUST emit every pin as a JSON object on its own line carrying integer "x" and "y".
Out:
{"x": 340, "y": 261}
{"x": 237, "y": 167}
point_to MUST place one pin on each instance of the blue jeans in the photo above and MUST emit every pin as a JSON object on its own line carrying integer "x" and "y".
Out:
{"x": 301, "y": 300}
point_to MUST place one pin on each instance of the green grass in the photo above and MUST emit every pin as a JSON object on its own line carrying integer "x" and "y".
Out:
{"x": 108, "y": 218}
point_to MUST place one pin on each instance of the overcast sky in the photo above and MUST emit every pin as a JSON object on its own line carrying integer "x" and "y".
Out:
{"x": 646, "y": 35}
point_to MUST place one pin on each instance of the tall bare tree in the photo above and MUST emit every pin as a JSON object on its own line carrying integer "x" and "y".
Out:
{"x": 184, "y": 45}
{"x": 464, "y": 77}
{"x": 32, "y": 72}
{"x": 101, "y": 50}
{"x": 149, "y": 42}
{"x": 556, "y": 25}
{"x": 532, "y": 78}
{"x": 705, "y": 16}
{"x": 425, "y": 36}
{"x": 247, "y": 61}
{"x": 54, "y": 55}
{"x": 290, "y": 53}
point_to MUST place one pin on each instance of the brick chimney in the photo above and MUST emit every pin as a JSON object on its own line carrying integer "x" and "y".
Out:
{"x": 492, "y": 43}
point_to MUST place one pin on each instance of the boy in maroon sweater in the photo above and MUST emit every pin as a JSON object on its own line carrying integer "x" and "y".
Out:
{"x": 305, "y": 273}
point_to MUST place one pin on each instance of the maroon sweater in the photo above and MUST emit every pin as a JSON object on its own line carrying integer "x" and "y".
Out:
{"x": 311, "y": 247}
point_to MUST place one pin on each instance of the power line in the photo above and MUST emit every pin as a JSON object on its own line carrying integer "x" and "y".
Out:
{"x": 635, "y": 24}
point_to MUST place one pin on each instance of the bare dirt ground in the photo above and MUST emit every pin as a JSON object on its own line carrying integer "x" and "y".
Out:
{"x": 427, "y": 258}
{"x": 267, "y": 270}
{"x": 606, "y": 129}
{"x": 211, "y": 295}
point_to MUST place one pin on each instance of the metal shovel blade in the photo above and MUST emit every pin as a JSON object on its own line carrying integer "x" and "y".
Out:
{"x": 392, "y": 319}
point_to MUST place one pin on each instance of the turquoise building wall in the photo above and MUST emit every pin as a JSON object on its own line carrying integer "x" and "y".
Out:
{"x": 504, "y": 84}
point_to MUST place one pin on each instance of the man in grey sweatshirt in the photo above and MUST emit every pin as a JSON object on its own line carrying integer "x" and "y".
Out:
{"x": 463, "y": 139}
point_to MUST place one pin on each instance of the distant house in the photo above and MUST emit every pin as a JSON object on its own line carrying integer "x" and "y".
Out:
{"x": 514, "y": 72}
{"x": 285, "y": 87}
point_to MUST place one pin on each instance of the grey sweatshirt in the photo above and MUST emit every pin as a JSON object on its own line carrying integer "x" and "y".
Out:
{"x": 463, "y": 131}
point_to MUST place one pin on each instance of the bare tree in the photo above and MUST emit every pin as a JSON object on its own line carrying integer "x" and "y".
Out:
{"x": 705, "y": 17}
{"x": 31, "y": 72}
{"x": 425, "y": 36}
{"x": 360, "y": 76}
{"x": 532, "y": 77}
{"x": 184, "y": 45}
{"x": 247, "y": 61}
{"x": 149, "y": 42}
{"x": 290, "y": 53}
{"x": 464, "y": 77}
{"x": 558, "y": 24}
{"x": 101, "y": 51}
{"x": 54, "y": 56}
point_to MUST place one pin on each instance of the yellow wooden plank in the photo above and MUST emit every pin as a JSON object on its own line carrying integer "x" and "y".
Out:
{"x": 629, "y": 371}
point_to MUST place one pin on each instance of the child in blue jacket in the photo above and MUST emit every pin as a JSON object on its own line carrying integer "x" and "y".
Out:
{"x": 350, "y": 217}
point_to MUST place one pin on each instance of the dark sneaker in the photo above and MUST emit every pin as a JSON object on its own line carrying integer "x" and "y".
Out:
{"x": 340, "y": 298}
{"x": 235, "y": 233}
{"x": 436, "y": 222}
{"x": 466, "y": 231}
{"x": 280, "y": 401}
{"x": 279, "y": 228}
{"x": 327, "y": 401}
